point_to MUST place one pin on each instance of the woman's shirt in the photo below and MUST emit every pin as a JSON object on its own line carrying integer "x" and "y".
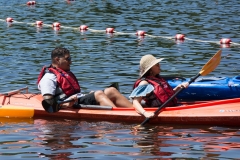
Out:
{"x": 146, "y": 92}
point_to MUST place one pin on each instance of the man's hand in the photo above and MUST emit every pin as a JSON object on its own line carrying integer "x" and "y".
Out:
{"x": 70, "y": 104}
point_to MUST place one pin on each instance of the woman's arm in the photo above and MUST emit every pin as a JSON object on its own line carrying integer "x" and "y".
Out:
{"x": 138, "y": 107}
{"x": 137, "y": 104}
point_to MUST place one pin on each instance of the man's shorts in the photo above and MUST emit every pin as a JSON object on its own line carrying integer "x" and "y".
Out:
{"x": 88, "y": 99}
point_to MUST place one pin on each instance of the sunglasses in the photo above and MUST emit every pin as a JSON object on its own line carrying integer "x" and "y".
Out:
{"x": 68, "y": 59}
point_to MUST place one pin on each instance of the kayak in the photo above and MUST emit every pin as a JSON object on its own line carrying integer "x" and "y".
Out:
{"x": 21, "y": 104}
{"x": 207, "y": 88}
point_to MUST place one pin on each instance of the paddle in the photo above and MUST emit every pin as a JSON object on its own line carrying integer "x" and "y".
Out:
{"x": 206, "y": 69}
{"x": 52, "y": 106}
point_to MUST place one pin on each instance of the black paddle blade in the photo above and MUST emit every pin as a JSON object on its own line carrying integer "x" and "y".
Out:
{"x": 115, "y": 85}
{"x": 50, "y": 106}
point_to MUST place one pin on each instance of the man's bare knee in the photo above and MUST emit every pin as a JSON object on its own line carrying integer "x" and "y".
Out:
{"x": 98, "y": 94}
{"x": 110, "y": 91}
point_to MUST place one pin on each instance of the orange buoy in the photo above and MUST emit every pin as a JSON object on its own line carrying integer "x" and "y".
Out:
{"x": 109, "y": 30}
{"x": 9, "y": 19}
{"x": 31, "y": 3}
{"x": 180, "y": 36}
{"x": 56, "y": 24}
{"x": 140, "y": 33}
{"x": 83, "y": 27}
{"x": 225, "y": 41}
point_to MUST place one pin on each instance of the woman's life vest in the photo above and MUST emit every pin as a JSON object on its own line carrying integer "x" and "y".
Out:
{"x": 65, "y": 80}
{"x": 162, "y": 90}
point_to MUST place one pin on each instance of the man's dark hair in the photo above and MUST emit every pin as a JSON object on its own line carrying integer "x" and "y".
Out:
{"x": 59, "y": 52}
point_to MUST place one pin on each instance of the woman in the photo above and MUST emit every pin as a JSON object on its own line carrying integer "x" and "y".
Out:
{"x": 151, "y": 87}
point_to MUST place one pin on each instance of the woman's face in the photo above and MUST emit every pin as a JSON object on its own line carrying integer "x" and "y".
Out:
{"x": 155, "y": 70}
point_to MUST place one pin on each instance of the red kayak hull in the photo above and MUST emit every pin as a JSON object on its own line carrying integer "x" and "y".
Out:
{"x": 219, "y": 112}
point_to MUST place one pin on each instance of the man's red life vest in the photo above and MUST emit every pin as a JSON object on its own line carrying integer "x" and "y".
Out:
{"x": 66, "y": 80}
{"x": 162, "y": 90}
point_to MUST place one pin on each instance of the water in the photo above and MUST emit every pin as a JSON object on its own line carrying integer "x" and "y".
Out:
{"x": 68, "y": 139}
{"x": 100, "y": 58}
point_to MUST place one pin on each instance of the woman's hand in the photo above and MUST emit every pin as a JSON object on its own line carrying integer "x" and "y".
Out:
{"x": 148, "y": 114}
{"x": 183, "y": 85}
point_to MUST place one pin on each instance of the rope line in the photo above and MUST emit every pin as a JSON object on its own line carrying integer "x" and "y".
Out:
{"x": 224, "y": 42}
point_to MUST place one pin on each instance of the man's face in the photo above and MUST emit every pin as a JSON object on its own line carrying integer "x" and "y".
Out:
{"x": 64, "y": 62}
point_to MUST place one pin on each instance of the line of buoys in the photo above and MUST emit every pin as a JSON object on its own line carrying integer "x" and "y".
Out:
{"x": 31, "y": 3}
{"x": 224, "y": 42}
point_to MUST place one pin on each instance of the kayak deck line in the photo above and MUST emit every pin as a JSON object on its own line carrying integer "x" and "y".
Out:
{"x": 14, "y": 91}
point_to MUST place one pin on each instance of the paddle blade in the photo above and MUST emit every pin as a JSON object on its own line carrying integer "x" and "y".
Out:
{"x": 115, "y": 85}
{"x": 211, "y": 64}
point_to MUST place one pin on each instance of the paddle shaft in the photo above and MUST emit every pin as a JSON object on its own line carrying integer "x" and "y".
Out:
{"x": 170, "y": 99}
{"x": 54, "y": 106}
{"x": 83, "y": 106}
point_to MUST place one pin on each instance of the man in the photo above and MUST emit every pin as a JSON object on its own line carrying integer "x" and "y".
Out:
{"x": 57, "y": 82}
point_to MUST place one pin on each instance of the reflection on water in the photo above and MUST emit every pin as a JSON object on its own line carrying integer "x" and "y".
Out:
{"x": 67, "y": 139}
{"x": 191, "y": 142}
{"x": 100, "y": 59}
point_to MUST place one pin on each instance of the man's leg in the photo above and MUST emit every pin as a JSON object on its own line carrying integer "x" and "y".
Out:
{"x": 102, "y": 99}
{"x": 117, "y": 98}
{"x": 96, "y": 98}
